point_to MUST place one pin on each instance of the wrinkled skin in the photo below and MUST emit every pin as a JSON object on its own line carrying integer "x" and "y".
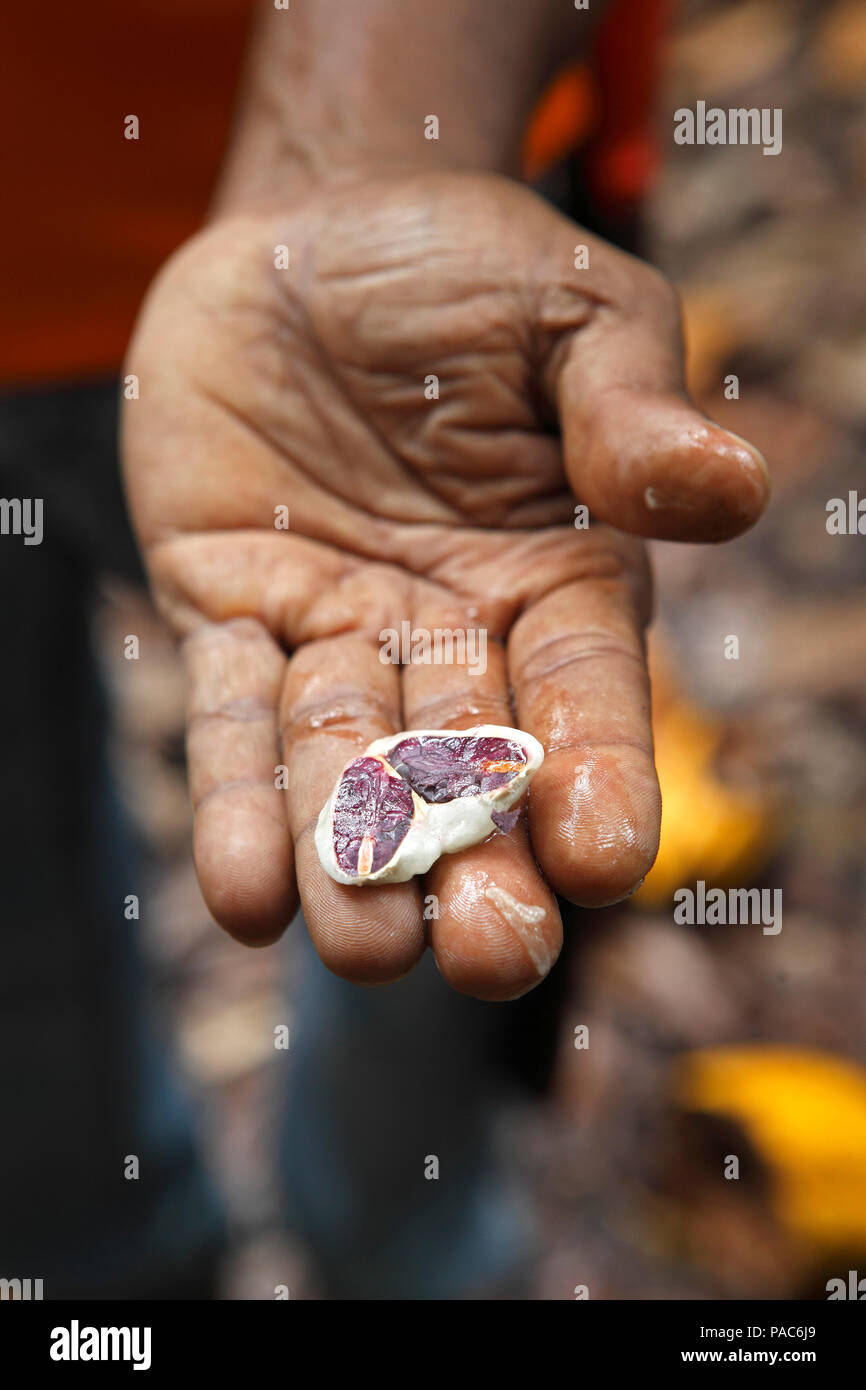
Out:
{"x": 305, "y": 388}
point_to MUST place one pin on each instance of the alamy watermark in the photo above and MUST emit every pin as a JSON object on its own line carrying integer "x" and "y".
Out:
{"x": 853, "y": 1288}
{"x": 77, "y": 1343}
{"x": 20, "y": 1290}
{"x": 738, "y": 125}
{"x": 438, "y": 646}
{"x": 22, "y": 516}
{"x": 714, "y": 907}
{"x": 846, "y": 516}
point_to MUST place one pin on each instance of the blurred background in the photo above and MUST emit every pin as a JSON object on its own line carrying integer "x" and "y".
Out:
{"x": 704, "y": 1041}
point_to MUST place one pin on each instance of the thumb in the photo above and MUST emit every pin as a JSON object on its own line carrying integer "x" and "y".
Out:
{"x": 637, "y": 452}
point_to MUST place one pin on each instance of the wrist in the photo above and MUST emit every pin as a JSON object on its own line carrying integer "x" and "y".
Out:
{"x": 390, "y": 87}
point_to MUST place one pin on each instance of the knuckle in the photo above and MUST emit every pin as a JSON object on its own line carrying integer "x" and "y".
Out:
{"x": 450, "y": 712}
{"x": 559, "y": 654}
{"x": 244, "y": 709}
{"x": 361, "y": 713}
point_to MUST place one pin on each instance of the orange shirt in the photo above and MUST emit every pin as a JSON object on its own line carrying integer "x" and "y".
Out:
{"x": 605, "y": 106}
{"x": 91, "y": 215}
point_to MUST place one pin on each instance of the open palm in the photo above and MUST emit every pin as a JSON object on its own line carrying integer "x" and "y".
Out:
{"x": 423, "y": 394}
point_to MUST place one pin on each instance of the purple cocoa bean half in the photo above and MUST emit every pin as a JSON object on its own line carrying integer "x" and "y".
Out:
{"x": 372, "y": 815}
{"x": 442, "y": 769}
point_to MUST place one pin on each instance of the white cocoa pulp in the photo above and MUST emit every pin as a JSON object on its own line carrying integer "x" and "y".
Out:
{"x": 441, "y": 826}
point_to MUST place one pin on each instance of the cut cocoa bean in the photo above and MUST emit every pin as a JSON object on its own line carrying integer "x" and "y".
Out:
{"x": 415, "y": 795}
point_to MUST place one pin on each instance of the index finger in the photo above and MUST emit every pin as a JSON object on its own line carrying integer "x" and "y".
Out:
{"x": 578, "y": 669}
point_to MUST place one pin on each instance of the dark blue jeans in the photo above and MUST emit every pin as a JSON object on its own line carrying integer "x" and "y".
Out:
{"x": 83, "y": 1082}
